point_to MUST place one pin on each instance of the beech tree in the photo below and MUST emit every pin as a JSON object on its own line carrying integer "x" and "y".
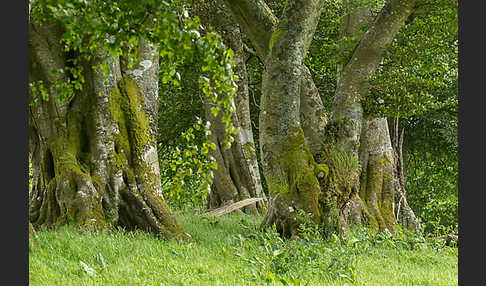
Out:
{"x": 94, "y": 68}
{"x": 380, "y": 177}
{"x": 237, "y": 176}
{"x": 322, "y": 181}
{"x": 95, "y": 158}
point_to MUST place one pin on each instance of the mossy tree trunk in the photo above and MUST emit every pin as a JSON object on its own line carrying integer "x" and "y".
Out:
{"x": 292, "y": 174}
{"x": 371, "y": 205}
{"x": 375, "y": 202}
{"x": 288, "y": 164}
{"x": 94, "y": 158}
{"x": 258, "y": 23}
{"x": 381, "y": 201}
{"x": 238, "y": 175}
{"x": 298, "y": 168}
{"x": 375, "y": 197}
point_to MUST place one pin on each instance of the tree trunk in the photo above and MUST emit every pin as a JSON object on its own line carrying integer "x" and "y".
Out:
{"x": 260, "y": 25}
{"x": 375, "y": 197}
{"x": 94, "y": 158}
{"x": 238, "y": 176}
{"x": 352, "y": 84}
{"x": 381, "y": 201}
{"x": 403, "y": 213}
{"x": 288, "y": 164}
{"x": 374, "y": 202}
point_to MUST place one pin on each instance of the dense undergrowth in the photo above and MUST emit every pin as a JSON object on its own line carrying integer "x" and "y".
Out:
{"x": 229, "y": 250}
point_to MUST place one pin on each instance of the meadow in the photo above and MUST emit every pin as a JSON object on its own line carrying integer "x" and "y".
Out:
{"x": 229, "y": 250}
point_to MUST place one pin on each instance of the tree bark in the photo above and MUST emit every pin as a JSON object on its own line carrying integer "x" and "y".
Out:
{"x": 380, "y": 177}
{"x": 375, "y": 197}
{"x": 94, "y": 158}
{"x": 238, "y": 176}
{"x": 352, "y": 85}
{"x": 373, "y": 203}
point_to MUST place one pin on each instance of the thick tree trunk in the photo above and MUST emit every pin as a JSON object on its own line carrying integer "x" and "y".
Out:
{"x": 238, "y": 176}
{"x": 380, "y": 177}
{"x": 288, "y": 164}
{"x": 95, "y": 158}
{"x": 374, "y": 202}
{"x": 258, "y": 23}
{"x": 375, "y": 196}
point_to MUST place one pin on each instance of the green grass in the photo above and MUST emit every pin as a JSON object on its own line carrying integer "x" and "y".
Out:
{"x": 229, "y": 251}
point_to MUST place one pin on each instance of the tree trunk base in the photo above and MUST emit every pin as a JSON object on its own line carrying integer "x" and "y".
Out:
{"x": 283, "y": 216}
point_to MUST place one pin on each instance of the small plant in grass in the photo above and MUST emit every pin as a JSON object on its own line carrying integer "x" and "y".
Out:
{"x": 361, "y": 239}
{"x": 270, "y": 258}
{"x": 343, "y": 266}
{"x": 308, "y": 230}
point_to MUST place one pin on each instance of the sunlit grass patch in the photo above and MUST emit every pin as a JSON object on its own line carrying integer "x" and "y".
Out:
{"x": 229, "y": 250}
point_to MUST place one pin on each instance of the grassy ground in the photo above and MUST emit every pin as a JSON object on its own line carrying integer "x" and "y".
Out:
{"x": 229, "y": 251}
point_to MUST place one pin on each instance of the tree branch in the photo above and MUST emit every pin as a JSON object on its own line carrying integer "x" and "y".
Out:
{"x": 353, "y": 81}
{"x": 256, "y": 21}
{"x": 249, "y": 53}
{"x": 370, "y": 49}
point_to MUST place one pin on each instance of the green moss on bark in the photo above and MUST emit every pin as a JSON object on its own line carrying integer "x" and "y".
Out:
{"x": 126, "y": 108}
{"x": 249, "y": 150}
{"x": 303, "y": 187}
{"x": 71, "y": 177}
{"x": 387, "y": 201}
{"x": 378, "y": 208}
{"x": 134, "y": 136}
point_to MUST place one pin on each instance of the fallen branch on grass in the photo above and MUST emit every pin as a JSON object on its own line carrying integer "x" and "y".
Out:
{"x": 232, "y": 207}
